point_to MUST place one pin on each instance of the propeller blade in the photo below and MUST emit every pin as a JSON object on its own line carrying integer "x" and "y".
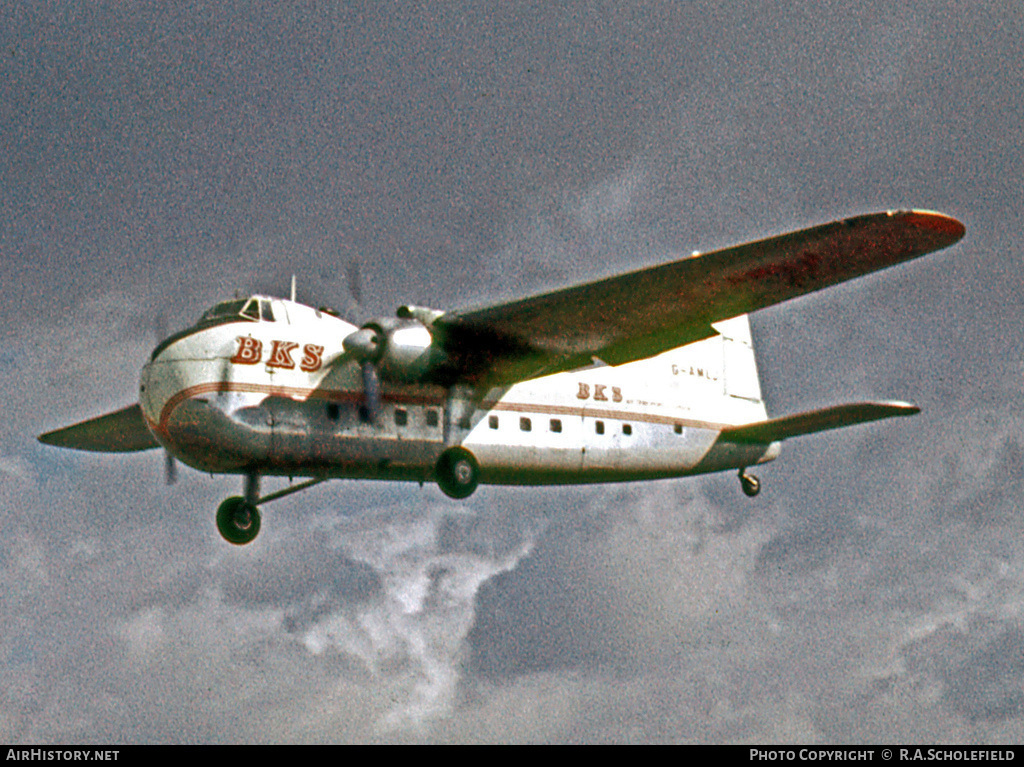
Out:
{"x": 170, "y": 465}
{"x": 371, "y": 391}
{"x": 353, "y": 274}
{"x": 170, "y": 469}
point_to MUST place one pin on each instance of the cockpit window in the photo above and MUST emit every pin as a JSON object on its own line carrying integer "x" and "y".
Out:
{"x": 225, "y": 310}
{"x": 251, "y": 310}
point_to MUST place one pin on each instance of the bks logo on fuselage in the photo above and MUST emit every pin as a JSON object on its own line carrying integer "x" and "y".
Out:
{"x": 250, "y": 352}
{"x": 599, "y": 392}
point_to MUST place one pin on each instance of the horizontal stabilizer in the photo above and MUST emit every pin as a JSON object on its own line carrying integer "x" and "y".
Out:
{"x": 124, "y": 431}
{"x": 778, "y": 429}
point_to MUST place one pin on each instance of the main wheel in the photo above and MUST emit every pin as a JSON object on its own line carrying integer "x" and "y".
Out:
{"x": 457, "y": 472}
{"x": 751, "y": 485}
{"x": 238, "y": 521}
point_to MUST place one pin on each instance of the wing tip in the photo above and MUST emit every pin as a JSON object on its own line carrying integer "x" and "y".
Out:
{"x": 49, "y": 438}
{"x": 893, "y": 402}
{"x": 900, "y": 407}
{"x": 948, "y": 228}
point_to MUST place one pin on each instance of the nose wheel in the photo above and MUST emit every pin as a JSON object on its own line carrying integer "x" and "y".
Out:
{"x": 751, "y": 485}
{"x": 238, "y": 521}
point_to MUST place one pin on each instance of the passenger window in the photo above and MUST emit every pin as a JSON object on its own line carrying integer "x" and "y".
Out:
{"x": 432, "y": 418}
{"x": 401, "y": 417}
{"x": 464, "y": 422}
{"x": 627, "y": 429}
{"x": 679, "y": 428}
{"x": 556, "y": 425}
{"x": 599, "y": 427}
{"x": 525, "y": 425}
{"x": 492, "y": 421}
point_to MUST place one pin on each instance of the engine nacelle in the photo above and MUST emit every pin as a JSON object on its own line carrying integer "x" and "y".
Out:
{"x": 401, "y": 349}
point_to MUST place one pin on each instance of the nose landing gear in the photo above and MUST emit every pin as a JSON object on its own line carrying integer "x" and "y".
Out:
{"x": 238, "y": 518}
{"x": 751, "y": 485}
{"x": 238, "y": 521}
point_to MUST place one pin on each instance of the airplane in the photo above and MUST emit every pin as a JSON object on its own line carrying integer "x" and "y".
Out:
{"x": 646, "y": 375}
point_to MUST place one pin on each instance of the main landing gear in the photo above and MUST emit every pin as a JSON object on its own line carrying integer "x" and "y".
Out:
{"x": 751, "y": 485}
{"x": 238, "y": 518}
{"x": 457, "y": 472}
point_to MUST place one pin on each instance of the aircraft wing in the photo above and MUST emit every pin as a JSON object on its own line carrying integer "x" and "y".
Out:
{"x": 123, "y": 431}
{"x": 646, "y": 312}
{"x": 778, "y": 429}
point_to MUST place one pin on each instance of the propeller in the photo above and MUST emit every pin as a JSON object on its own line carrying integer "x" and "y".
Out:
{"x": 397, "y": 348}
{"x": 367, "y": 346}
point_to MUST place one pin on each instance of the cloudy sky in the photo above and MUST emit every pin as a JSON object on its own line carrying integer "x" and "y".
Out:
{"x": 156, "y": 159}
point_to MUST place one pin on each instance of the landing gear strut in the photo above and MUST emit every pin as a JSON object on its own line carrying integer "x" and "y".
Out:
{"x": 751, "y": 485}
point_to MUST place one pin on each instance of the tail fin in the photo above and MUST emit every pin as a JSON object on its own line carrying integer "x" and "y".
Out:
{"x": 716, "y": 379}
{"x": 739, "y": 360}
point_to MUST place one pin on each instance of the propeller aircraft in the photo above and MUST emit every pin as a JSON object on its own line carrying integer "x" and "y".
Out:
{"x": 645, "y": 375}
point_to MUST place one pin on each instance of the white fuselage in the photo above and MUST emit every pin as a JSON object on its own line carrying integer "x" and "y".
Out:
{"x": 279, "y": 397}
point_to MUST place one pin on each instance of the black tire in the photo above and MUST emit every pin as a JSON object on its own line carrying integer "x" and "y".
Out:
{"x": 457, "y": 473}
{"x": 751, "y": 485}
{"x": 238, "y": 521}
